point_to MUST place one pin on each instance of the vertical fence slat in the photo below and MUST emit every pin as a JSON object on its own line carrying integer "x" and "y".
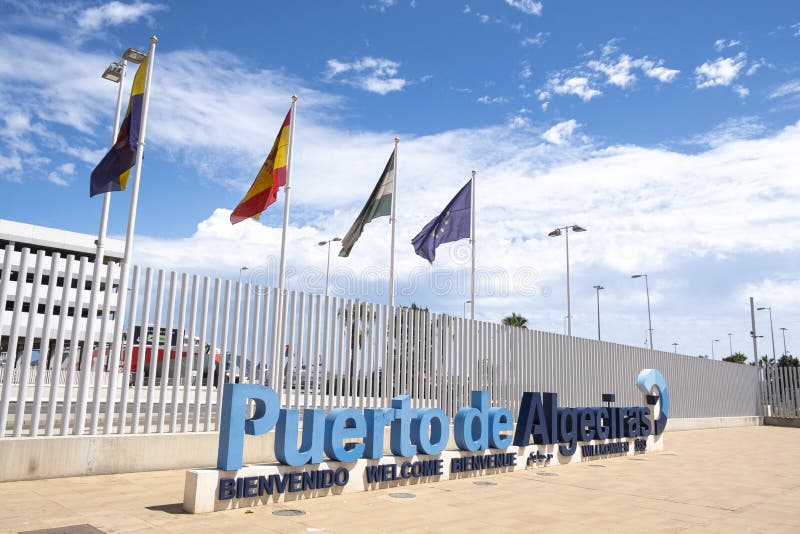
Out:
{"x": 213, "y": 364}
{"x": 167, "y": 359}
{"x": 27, "y": 351}
{"x": 73, "y": 345}
{"x": 44, "y": 344}
{"x": 204, "y": 358}
{"x": 190, "y": 351}
{"x": 101, "y": 368}
{"x": 151, "y": 366}
{"x": 126, "y": 375}
{"x": 13, "y": 340}
{"x": 223, "y": 354}
{"x": 141, "y": 355}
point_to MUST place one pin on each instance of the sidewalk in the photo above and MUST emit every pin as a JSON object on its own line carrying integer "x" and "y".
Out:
{"x": 736, "y": 480}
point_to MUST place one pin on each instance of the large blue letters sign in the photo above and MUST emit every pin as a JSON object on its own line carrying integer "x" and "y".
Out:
{"x": 347, "y": 434}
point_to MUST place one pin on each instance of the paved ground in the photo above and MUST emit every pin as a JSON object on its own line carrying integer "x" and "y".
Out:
{"x": 728, "y": 480}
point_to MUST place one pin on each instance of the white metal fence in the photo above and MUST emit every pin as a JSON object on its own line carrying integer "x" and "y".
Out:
{"x": 315, "y": 351}
{"x": 780, "y": 391}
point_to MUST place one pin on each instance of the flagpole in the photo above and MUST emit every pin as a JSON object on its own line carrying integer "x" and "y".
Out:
{"x": 286, "y": 192}
{"x": 473, "y": 350}
{"x": 392, "y": 220}
{"x": 88, "y": 343}
{"x": 472, "y": 241}
{"x": 122, "y": 292}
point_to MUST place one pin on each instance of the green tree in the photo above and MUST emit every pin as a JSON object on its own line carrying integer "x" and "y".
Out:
{"x": 737, "y": 357}
{"x": 787, "y": 360}
{"x": 765, "y": 361}
{"x": 515, "y": 320}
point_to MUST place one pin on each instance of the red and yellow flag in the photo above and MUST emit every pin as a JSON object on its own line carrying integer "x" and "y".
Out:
{"x": 269, "y": 179}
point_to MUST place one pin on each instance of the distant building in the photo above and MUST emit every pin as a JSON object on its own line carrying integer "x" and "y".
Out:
{"x": 72, "y": 247}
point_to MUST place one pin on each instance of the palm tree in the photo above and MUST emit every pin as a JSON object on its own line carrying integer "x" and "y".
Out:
{"x": 515, "y": 320}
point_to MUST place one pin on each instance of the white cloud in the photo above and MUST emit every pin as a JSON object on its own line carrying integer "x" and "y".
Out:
{"x": 526, "y": 71}
{"x": 537, "y": 40}
{"x": 721, "y": 44}
{"x": 756, "y": 65}
{"x": 529, "y": 7}
{"x": 620, "y": 71}
{"x": 466, "y": 9}
{"x": 658, "y": 71}
{"x": 741, "y": 90}
{"x": 492, "y": 100}
{"x": 730, "y": 130}
{"x": 67, "y": 168}
{"x": 786, "y": 89}
{"x": 561, "y": 133}
{"x": 609, "y": 68}
{"x": 115, "y": 13}
{"x": 54, "y": 178}
{"x": 579, "y": 86}
{"x": 376, "y": 75}
{"x": 382, "y": 5}
{"x": 720, "y": 72}
{"x": 484, "y": 18}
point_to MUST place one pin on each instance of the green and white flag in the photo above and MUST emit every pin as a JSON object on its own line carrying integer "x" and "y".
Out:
{"x": 378, "y": 205}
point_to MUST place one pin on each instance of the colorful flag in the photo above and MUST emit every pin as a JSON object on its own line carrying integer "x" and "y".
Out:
{"x": 112, "y": 173}
{"x": 378, "y": 205}
{"x": 451, "y": 225}
{"x": 269, "y": 179}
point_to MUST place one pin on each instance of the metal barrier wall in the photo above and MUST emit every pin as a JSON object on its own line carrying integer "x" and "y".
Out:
{"x": 780, "y": 391}
{"x": 187, "y": 335}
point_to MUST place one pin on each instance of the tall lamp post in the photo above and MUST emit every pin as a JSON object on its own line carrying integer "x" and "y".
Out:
{"x": 598, "y": 288}
{"x": 115, "y": 72}
{"x": 771, "y": 331}
{"x": 242, "y": 269}
{"x": 465, "y": 307}
{"x": 712, "y": 347}
{"x": 783, "y": 331}
{"x": 675, "y": 346}
{"x": 557, "y": 233}
{"x": 328, "y": 270}
{"x": 649, "y": 320}
{"x": 730, "y": 342}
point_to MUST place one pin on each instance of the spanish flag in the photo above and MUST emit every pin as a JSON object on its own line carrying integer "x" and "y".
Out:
{"x": 112, "y": 173}
{"x": 269, "y": 179}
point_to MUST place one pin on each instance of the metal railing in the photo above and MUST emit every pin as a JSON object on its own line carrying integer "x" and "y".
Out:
{"x": 780, "y": 391}
{"x": 315, "y": 351}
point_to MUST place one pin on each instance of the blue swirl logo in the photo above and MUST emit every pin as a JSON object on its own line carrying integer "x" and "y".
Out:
{"x": 645, "y": 381}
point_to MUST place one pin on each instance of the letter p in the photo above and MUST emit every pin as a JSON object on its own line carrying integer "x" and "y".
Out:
{"x": 233, "y": 422}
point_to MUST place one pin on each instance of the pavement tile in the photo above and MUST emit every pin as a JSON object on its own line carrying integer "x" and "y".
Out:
{"x": 706, "y": 481}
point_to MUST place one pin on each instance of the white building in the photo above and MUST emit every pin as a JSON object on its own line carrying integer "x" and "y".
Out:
{"x": 38, "y": 243}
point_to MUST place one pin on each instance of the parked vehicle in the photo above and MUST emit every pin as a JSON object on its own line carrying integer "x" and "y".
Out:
{"x": 200, "y": 351}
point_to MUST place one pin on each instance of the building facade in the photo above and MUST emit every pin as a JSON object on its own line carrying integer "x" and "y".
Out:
{"x": 65, "y": 285}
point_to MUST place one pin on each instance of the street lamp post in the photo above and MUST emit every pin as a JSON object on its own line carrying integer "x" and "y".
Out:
{"x": 556, "y": 233}
{"x": 241, "y": 270}
{"x": 465, "y": 307}
{"x": 598, "y": 288}
{"x": 730, "y": 342}
{"x": 771, "y": 331}
{"x": 328, "y": 270}
{"x": 675, "y": 346}
{"x": 712, "y": 347}
{"x": 649, "y": 320}
{"x": 783, "y": 331}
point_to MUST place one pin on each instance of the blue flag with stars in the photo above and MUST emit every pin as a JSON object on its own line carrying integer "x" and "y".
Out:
{"x": 453, "y": 224}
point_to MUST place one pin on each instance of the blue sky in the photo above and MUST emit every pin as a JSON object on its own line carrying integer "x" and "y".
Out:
{"x": 668, "y": 130}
